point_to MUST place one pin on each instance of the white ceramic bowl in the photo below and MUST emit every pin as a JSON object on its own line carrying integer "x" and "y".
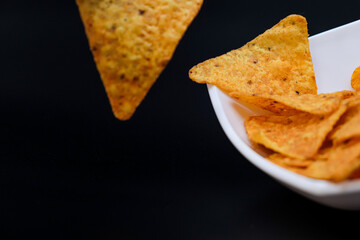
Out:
{"x": 335, "y": 54}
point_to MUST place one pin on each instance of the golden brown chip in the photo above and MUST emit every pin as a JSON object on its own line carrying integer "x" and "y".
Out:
{"x": 355, "y": 79}
{"x": 132, "y": 42}
{"x": 355, "y": 174}
{"x": 348, "y": 127}
{"x": 335, "y": 163}
{"x": 277, "y": 62}
{"x": 342, "y": 161}
{"x": 345, "y": 94}
{"x": 337, "y": 168}
{"x": 290, "y": 104}
{"x": 298, "y": 136}
{"x": 286, "y": 161}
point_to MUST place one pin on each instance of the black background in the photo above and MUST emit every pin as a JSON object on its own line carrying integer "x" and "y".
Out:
{"x": 69, "y": 169}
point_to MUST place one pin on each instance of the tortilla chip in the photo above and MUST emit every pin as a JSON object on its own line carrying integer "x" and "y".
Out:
{"x": 298, "y": 136}
{"x": 289, "y": 162}
{"x": 291, "y": 104}
{"x": 345, "y": 94}
{"x": 132, "y": 42}
{"x": 355, "y": 174}
{"x": 355, "y": 79}
{"x": 348, "y": 127}
{"x": 335, "y": 163}
{"x": 277, "y": 62}
{"x": 342, "y": 161}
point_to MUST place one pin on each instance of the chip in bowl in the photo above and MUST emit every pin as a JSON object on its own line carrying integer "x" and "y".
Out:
{"x": 277, "y": 62}
{"x": 330, "y": 173}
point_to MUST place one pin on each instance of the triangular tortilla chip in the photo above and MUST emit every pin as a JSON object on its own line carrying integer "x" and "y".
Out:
{"x": 132, "y": 42}
{"x": 342, "y": 160}
{"x": 335, "y": 163}
{"x": 277, "y": 62}
{"x": 289, "y": 162}
{"x": 298, "y": 136}
{"x": 291, "y": 104}
{"x": 349, "y": 124}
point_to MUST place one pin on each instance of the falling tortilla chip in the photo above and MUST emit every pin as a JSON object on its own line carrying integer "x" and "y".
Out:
{"x": 291, "y": 104}
{"x": 355, "y": 79}
{"x": 132, "y": 42}
{"x": 277, "y": 62}
{"x": 298, "y": 136}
